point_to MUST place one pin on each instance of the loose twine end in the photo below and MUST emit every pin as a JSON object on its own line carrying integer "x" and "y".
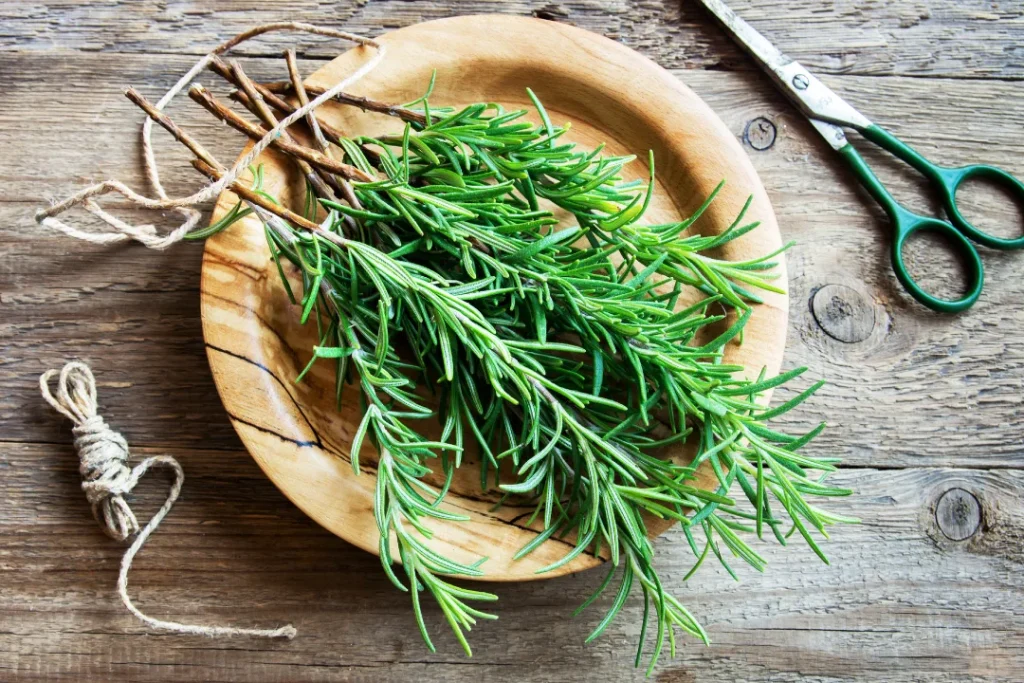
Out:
{"x": 107, "y": 478}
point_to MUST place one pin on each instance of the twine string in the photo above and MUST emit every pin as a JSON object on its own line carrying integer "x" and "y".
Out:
{"x": 107, "y": 479}
{"x": 103, "y": 453}
{"x": 147, "y": 234}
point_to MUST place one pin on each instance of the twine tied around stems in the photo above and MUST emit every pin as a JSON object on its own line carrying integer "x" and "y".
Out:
{"x": 107, "y": 479}
{"x": 148, "y": 234}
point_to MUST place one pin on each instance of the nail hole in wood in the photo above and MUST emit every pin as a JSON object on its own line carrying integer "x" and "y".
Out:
{"x": 760, "y": 133}
{"x": 843, "y": 313}
{"x": 958, "y": 514}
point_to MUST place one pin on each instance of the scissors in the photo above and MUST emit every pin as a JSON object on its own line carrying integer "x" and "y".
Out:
{"x": 829, "y": 114}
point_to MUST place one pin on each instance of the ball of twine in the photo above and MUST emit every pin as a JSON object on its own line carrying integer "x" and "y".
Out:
{"x": 107, "y": 478}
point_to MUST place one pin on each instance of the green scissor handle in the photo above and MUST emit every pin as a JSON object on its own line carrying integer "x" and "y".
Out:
{"x": 905, "y": 223}
{"x": 947, "y": 181}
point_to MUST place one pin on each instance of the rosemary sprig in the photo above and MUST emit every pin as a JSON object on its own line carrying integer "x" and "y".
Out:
{"x": 565, "y": 351}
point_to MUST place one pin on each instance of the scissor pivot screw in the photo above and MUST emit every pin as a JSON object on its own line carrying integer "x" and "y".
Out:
{"x": 800, "y": 82}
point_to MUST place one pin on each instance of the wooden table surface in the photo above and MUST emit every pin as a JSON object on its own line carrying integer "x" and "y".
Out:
{"x": 922, "y": 407}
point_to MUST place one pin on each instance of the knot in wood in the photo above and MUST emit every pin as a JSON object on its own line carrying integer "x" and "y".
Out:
{"x": 958, "y": 514}
{"x": 843, "y": 313}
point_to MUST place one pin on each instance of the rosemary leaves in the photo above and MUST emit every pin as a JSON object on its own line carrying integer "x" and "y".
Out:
{"x": 432, "y": 259}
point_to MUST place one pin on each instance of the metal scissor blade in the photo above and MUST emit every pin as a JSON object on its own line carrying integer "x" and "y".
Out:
{"x": 815, "y": 99}
{"x": 832, "y": 133}
{"x": 753, "y": 42}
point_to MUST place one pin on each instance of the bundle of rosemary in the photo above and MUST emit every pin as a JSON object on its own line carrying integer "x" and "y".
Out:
{"x": 443, "y": 287}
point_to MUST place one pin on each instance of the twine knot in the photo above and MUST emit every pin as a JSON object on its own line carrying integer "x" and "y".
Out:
{"x": 107, "y": 478}
{"x": 102, "y": 452}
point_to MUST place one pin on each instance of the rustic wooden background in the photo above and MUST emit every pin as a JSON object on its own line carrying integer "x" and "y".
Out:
{"x": 924, "y": 409}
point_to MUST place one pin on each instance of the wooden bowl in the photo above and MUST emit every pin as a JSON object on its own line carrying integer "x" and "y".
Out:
{"x": 610, "y": 94}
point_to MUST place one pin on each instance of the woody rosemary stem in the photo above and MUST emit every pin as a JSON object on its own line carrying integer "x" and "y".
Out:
{"x": 227, "y": 72}
{"x": 345, "y": 187}
{"x": 364, "y": 103}
{"x": 203, "y": 97}
{"x": 165, "y": 121}
{"x": 245, "y": 97}
{"x": 260, "y": 108}
{"x": 303, "y": 97}
{"x": 320, "y": 181}
{"x": 248, "y": 195}
{"x": 207, "y": 164}
{"x": 224, "y": 70}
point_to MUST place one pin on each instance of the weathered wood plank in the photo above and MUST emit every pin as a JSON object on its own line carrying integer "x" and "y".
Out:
{"x": 918, "y": 389}
{"x": 956, "y": 38}
{"x": 902, "y": 601}
{"x": 235, "y": 550}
